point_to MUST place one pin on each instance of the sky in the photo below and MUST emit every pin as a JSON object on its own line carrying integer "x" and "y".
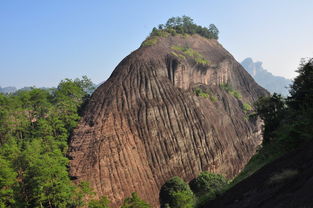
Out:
{"x": 43, "y": 42}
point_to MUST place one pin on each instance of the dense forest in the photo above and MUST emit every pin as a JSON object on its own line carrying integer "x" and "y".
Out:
{"x": 35, "y": 126}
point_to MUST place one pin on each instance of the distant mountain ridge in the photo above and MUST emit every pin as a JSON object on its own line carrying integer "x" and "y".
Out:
{"x": 266, "y": 79}
{"x": 11, "y": 89}
{"x": 7, "y": 90}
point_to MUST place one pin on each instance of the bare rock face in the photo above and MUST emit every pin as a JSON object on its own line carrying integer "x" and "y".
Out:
{"x": 145, "y": 124}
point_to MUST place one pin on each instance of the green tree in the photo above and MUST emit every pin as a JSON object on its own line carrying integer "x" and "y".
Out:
{"x": 300, "y": 115}
{"x": 44, "y": 178}
{"x": 301, "y": 90}
{"x": 35, "y": 125}
{"x": 134, "y": 201}
{"x": 272, "y": 110}
{"x": 4, "y": 117}
{"x": 7, "y": 183}
{"x": 208, "y": 183}
{"x": 175, "y": 193}
{"x": 184, "y": 25}
{"x": 213, "y": 31}
{"x": 68, "y": 97}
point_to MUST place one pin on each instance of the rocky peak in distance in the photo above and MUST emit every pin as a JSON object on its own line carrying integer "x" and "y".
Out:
{"x": 266, "y": 79}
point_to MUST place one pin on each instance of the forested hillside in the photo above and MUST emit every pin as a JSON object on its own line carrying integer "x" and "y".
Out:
{"x": 280, "y": 174}
{"x": 35, "y": 126}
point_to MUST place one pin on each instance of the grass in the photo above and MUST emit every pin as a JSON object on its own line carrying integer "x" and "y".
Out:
{"x": 196, "y": 56}
{"x": 229, "y": 89}
{"x": 246, "y": 107}
{"x": 150, "y": 41}
{"x": 180, "y": 56}
{"x": 199, "y": 92}
{"x": 213, "y": 98}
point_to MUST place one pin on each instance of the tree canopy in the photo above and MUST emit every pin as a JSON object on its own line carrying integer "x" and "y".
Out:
{"x": 134, "y": 201}
{"x": 290, "y": 120}
{"x": 175, "y": 193}
{"x": 208, "y": 183}
{"x": 35, "y": 126}
{"x": 185, "y": 25}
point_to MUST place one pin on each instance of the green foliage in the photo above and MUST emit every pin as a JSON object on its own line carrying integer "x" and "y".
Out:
{"x": 229, "y": 89}
{"x": 298, "y": 128}
{"x": 180, "y": 56}
{"x": 44, "y": 176}
{"x": 150, "y": 41}
{"x": 236, "y": 94}
{"x": 301, "y": 90}
{"x": 199, "y": 92}
{"x": 175, "y": 193}
{"x": 103, "y": 202}
{"x": 135, "y": 202}
{"x": 7, "y": 183}
{"x": 246, "y": 107}
{"x": 189, "y": 52}
{"x": 208, "y": 183}
{"x": 184, "y": 25}
{"x": 287, "y": 124}
{"x": 271, "y": 110}
{"x": 205, "y": 94}
{"x": 35, "y": 127}
{"x": 207, "y": 186}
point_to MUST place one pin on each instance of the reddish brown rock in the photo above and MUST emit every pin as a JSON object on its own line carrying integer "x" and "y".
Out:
{"x": 145, "y": 124}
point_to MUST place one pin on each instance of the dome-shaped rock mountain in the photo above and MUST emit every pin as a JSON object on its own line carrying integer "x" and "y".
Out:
{"x": 175, "y": 107}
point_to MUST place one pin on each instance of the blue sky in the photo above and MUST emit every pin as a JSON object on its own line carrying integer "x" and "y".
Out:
{"x": 43, "y": 42}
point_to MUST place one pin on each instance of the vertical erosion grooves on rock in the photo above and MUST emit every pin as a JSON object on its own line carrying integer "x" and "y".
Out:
{"x": 145, "y": 125}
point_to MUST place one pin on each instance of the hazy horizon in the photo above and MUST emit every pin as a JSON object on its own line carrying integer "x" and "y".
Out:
{"x": 44, "y": 42}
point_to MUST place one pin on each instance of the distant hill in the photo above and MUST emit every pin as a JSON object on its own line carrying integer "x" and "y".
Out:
{"x": 10, "y": 90}
{"x": 266, "y": 79}
{"x": 7, "y": 90}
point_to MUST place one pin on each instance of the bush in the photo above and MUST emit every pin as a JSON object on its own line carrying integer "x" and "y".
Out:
{"x": 196, "y": 56}
{"x": 103, "y": 202}
{"x": 175, "y": 193}
{"x": 135, "y": 202}
{"x": 208, "y": 183}
{"x": 199, "y": 92}
{"x": 205, "y": 94}
{"x": 246, "y": 107}
{"x": 229, "y": 89}
{"x": 150, "y": 41}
